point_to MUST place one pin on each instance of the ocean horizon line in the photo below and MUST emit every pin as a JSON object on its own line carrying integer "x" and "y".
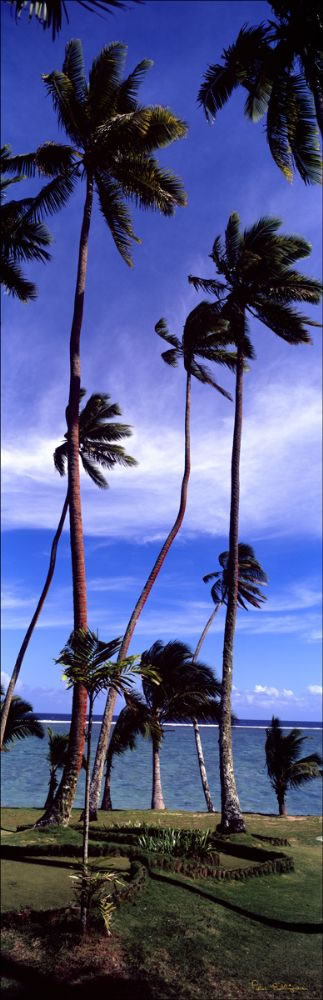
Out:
{"x": 241, "y": 724}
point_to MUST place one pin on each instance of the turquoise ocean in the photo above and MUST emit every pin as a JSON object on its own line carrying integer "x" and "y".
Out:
{"x": 25, "y": 770}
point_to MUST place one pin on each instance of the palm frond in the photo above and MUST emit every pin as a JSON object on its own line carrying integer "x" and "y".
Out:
{"x": 286, "y": 322}
{"x": 220, "y": 80}
{"x": 216, "y": 288}
{"x": 162, "y": 329}
{"x": 203, "y": 374}
{"x": 69, "y": 112}
{"x": 148, "y": 184}
{"x": 73, "y": 67}
{"x": 170, "y": 357}
{"x": 14, "y": 282}
{"x": 233, "y": 239}
{"x": 105, "y": 79}
{"x": 116, "y": 215}
{"x": 126, "y": 97}
{"x": 93, "y": 472}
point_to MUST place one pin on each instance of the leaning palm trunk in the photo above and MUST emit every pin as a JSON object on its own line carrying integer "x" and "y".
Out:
{"x": 34, "y": 620}
{"x": 52, "y": 789}
{"x": 111, "y": 699}
{"x": 59, "y": 812}
{"x": 231, "y": 818}
{"x": 198, "y": 741}
{"x": 157, "y": 800}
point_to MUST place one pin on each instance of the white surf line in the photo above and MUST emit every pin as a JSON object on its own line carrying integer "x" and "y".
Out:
{"x": 188, "y": 725}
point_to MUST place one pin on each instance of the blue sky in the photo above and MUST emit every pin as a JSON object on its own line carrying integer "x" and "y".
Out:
{"x": 225, "y": 168}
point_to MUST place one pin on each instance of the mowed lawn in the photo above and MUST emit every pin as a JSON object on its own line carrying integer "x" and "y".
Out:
{"x": 177, "y": 938}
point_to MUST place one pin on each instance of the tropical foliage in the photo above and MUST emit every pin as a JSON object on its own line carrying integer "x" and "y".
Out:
{"x": 186, "y": 688}
{"x": 49, "y": 13}
{"x": 23, "y": 237}
{"x": 286, "y": 769}
{"x": 260, "y": 280}
{"x": 280, "y": 65}
{"x": 22, "y": 721}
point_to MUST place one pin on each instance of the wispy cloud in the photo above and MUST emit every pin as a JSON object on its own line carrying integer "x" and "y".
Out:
{"x": 315, "y": 689}
{"x": 280, "y": 481}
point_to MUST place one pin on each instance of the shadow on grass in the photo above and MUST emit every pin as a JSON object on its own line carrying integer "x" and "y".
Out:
{"x": 283, "y": 925}
{"x": 30, "y": 982}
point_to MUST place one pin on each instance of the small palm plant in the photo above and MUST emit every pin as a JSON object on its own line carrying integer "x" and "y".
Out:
{"x": 186, "y": 688}
{"x": 286, "y": 769}
{"x": 21, "y": 722}
{"x": 280, "y": 65}
{"x": 86, "y": 661}
{"x": 205, "y": 336}
{"x": 98, "y": 447}
{"x": 250, "y": 574}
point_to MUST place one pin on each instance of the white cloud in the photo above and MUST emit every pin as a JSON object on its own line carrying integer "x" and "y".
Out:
{"x": 280, "y": 480}
{"x": 271, "y": 691}
{"x": 315, "y": 689}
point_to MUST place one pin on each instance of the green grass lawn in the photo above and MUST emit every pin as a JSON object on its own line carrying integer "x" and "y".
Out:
{"x": 200, "y": 940}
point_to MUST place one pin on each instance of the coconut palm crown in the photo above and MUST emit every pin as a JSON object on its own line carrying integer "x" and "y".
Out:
{"x": 286, "y": 769}
{"x": 206, "y": 335}
{"x": 112, "y": 142}
{"x": 249, "y": 572}
{"x": 98, "y": 439}
{"x": 280, "y": 65}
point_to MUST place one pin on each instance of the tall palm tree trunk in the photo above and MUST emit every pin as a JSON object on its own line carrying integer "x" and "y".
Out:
{"x": 157, "y": 800}
{"x": 60, "y": 811}
{"x": 198, "y": 741}
{"x": 111, "y": 699}
{"x": 231, "y": 818}
{"x": 30, "y": 629}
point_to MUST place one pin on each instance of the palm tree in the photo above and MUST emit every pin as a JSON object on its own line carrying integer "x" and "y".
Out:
{"x": 285, "y": 767}
{"x": 97, "y": 447}
{"x": 280, "y": 65}
{"x": 249, "y": 574}
{"x": 113, "y": 139}
{"x": 87, "y": 660}
{"x": 204, "y": 336}
{"x": 259, "y": 280}
{"x": 22, "y": 721}
{"x": 23, "y": 238}
{"x": 57, "y": 758}
{"x": 130, "y": 723}
{"x": 186, "y": 688}
{"x": 49, "y": 12}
